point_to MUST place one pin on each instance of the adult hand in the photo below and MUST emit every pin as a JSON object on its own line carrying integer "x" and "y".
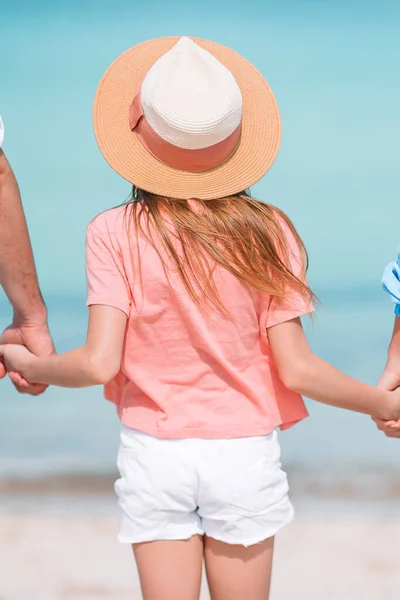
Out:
{"x": 390, "y": 380}
{"x": 36, "y": 337}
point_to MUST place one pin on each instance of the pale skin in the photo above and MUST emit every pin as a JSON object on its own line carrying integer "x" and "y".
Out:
{"x": 19, "y": 280}
{"x": 390, "y": 380}
{"x": 234, "y": 572}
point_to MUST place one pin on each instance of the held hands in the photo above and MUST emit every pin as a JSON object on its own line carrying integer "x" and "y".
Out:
{"x": 17, "y": 360}
{"x": 19, "y": 344}
{"x": 390, "y": 380}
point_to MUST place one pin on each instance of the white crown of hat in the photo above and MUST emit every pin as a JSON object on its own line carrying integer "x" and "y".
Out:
{"x": 190, "y": 99}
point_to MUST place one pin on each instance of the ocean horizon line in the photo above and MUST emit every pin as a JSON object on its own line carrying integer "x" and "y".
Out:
{"x": 329, "y": 296}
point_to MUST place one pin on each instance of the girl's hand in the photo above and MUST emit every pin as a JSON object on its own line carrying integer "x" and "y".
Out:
{"x": 390, "y": 428}
{"x": 17, "y": 359}
{"x": 36, "y": 337}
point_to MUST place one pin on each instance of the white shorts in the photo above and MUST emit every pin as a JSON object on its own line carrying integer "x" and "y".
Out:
{"x": 232, "y": 490}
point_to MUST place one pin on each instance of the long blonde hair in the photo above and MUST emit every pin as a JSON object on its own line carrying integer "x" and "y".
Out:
{"x": 243, "y": 235}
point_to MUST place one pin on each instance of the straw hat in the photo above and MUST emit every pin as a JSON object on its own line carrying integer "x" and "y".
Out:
{"x": 186, "y": 118}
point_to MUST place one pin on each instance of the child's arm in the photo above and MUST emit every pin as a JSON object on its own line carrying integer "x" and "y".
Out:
{"x": 96, "y": 363}
{"x": 303, "y": 372}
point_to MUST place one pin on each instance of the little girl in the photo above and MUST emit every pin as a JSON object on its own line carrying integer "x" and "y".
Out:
{"x": 195, "y": 295}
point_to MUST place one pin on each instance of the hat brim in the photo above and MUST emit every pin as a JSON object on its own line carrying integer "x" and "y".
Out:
{"x": 122, "y": 149}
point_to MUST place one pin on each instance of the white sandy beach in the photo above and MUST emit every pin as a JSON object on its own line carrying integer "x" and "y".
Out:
{"x": 77, "y": 558}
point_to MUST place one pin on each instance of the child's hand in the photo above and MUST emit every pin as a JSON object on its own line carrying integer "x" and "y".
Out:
{"x": 390, "y": 428}
{"x": 17, "y": 359}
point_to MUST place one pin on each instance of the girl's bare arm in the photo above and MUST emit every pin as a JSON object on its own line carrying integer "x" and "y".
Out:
{"x": 95, "y": 363}
{"x": 304, "y": 372}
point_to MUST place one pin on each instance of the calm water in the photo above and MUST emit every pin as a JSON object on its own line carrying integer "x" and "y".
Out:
{"x": 74, "y": 431}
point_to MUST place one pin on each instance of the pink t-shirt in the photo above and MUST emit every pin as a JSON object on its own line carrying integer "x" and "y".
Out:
{"x": 184, "y": 373}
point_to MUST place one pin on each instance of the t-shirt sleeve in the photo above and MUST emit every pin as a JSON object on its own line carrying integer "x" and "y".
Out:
{"x": 106, "y": 280}
{"x": 1, "y": 132}
{"x": 295, "y": 303}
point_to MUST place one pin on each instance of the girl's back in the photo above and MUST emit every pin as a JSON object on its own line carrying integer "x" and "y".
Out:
{"x": 189, "y": 369}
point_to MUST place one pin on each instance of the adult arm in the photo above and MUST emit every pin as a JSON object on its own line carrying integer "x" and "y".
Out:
{"x": 390, "y": 380}
{"x": 18, "y": 276}
{"x": 17, "y": 268}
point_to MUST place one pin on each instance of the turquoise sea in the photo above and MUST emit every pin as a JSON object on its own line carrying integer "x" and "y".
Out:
{"x": 333, "y": 66}
{"x": 72, "y": 432}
